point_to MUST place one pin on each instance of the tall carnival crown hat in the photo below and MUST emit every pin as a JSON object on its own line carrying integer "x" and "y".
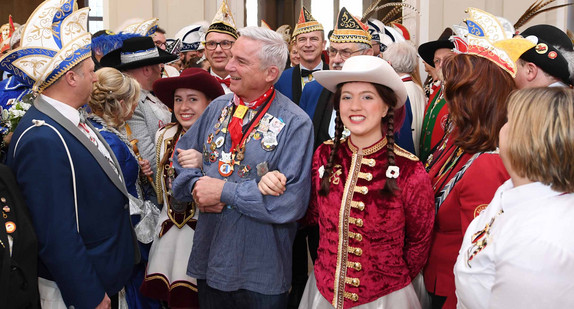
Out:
{"x": 350, "y": 29}
{"x": 306, "y": 23}
{"x": 190, "y": 37}
{"x": 223, "y": 21}
{"x": 143, "y": 28}
{"x": 53, "y": 41}
{"x": 478, "y": 37}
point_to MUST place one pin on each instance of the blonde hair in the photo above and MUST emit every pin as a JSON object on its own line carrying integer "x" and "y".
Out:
{"x": 541, "y": 136}
{"x": 111, "y": 87}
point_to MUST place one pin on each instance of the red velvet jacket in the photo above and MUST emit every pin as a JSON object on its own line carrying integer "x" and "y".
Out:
{"x": 371, "y": 244}
{"x": 472, "y": 193}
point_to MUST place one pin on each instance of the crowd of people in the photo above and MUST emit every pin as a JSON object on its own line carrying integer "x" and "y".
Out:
{"x": 251, "y": 168}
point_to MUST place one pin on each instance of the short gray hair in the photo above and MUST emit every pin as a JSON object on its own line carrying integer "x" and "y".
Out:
{"x": 273, "y": 52}
{"x": 402, "y": 56}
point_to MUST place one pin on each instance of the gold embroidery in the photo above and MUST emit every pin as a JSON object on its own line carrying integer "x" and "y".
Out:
{"x": 356, "y": 236}
{"x": 359, "y": 205}
{"x": 369, "y": 162}
{"x": 355, "y": 221}
{"x": 361, "y": 189}
{"x": 353, "y": 281}
{"x": 405, "y": 154}
{"x": 335, "y": 177}
{"x": 352, "y": 296}
{"x": 354, "y": 265}
{"x": 366, "y": 176}
{"x": 356, "y": 251}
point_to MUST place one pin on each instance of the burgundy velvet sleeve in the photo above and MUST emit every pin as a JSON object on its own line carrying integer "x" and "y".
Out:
{"x": 477, "y": 187}
{"x": 319, "y": 159}
{"x": 418, "y": 197}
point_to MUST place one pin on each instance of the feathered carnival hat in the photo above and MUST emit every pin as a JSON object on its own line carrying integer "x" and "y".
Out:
{"x": 143, "y": 28}
{"x": 350, "y": 29}
{"x": 306, "y": 23}
{"x": 223, "y": 21}
{"x": 479, "y": 35}
{"x": 53, "y": 41}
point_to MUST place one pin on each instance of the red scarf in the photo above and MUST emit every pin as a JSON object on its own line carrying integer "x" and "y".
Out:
{"x": 236, "y": 124}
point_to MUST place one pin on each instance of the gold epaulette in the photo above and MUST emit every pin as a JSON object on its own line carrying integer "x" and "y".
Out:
{"x": 328, "y": 142}
{"x": 405, "y": 154}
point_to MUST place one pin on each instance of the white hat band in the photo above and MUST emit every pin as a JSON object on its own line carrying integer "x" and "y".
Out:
{"x": 139, "y": 55}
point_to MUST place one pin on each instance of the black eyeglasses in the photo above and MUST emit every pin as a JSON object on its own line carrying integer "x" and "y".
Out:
{"x": 211, "y": 45}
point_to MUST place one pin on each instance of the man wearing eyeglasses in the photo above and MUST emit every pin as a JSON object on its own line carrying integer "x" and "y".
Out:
{"x": 219, "y": 38}
{"x": 309, "y": 39}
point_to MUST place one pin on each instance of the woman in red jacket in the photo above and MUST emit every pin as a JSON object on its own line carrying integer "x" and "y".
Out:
{"x": 465, "y": 169}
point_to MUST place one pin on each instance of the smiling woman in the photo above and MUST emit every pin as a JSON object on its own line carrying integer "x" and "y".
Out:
{"x": 363, "y": 197}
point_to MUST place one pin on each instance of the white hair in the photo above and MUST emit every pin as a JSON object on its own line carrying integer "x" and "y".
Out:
{"x": 273, "y": 52}
{"x": 569, "y": 56}
{"x": 402, "y": 56}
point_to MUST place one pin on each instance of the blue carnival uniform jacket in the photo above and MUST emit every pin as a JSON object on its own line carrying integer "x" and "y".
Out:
{"x": 100, "y": 258}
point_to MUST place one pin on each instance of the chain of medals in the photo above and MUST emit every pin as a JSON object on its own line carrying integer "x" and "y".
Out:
{"x": 7, "y": 218}
{"x": 262, "y": 130}
{"x": 479, "y": 240}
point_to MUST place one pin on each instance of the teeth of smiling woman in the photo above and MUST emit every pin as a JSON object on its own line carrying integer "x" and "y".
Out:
{"x": 357, "y": 118}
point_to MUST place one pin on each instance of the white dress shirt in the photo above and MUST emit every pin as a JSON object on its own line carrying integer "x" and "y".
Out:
{"x": 528, "y": 261}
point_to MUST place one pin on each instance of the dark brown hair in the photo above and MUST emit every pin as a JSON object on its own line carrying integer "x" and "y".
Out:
{"x": 476, "y": 90}
{"x": 388, "y": 122}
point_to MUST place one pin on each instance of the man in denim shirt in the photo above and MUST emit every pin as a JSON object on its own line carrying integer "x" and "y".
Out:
{"x": 242, "y": 248}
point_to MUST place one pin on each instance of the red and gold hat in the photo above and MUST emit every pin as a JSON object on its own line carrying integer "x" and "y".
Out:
{"x": 306, "y": 23}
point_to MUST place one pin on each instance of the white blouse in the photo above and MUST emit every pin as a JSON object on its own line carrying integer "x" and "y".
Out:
{"x": 523, "y": 251}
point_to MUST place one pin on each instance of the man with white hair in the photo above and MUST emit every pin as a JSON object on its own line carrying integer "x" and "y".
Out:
{"x": 242, "y": 247}
{"x": 402, "y": 56}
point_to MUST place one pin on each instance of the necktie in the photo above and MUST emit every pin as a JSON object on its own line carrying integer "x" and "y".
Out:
{"x": 305, "y": 72}
{"x": 226, "y": 81}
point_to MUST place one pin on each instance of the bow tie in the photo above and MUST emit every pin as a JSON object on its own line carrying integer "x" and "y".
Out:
{"x": 305, "y": 72}
{"x": 226, "y": 81}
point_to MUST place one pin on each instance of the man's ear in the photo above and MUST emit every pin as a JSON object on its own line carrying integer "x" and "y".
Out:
{"x": 71, "y": 78}
{"x": 531, "y": 71}
{"x": 272, "y": 74}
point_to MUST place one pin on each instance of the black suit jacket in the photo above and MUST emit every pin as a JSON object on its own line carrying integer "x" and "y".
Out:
{"x": 18, "y": 274}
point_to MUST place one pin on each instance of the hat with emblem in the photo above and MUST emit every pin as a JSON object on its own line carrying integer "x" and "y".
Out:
{"x": 306, "y": 23}
{"x": 350, "y": 29}
{"x": 135, "y": 53}
{"x": 64, "y": 42}
{"x": 191, "y": 37}
{"x": 223, "y": 21}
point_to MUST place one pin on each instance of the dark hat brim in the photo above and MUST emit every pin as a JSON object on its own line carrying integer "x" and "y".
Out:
{"x": 193, "y": 78}
{"x": 113, "y": 59}
{"x": 427, "y": 50}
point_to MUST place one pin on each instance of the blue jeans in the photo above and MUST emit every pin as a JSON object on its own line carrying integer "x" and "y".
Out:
{"x": 210, "y": 298}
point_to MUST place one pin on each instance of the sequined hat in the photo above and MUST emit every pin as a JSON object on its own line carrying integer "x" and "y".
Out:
{"x": 53, "y": 41}
{"x": 479, "y": 35}
{"x": 223, "y": 21}
{"x": 350, "y": 29}
{"x": 191, "y": 37}
{"x": 306, "y": 23}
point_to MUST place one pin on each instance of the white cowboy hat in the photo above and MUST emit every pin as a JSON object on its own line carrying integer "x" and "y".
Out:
{"x": 364, "y": 68}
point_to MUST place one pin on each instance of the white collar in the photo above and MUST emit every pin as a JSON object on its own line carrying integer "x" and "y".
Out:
{"x": 318, "y": 67}
{"x": 66, "y": 110}
{"x": 512, "y": 196}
